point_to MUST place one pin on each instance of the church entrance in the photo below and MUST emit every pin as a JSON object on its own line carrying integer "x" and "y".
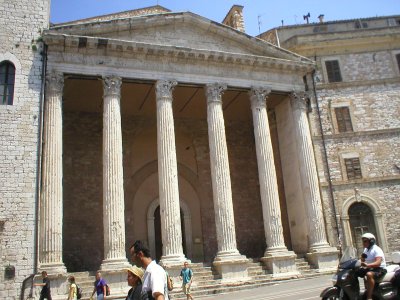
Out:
{"x": 158, "y": 237}
{"x": 361, "y": 221}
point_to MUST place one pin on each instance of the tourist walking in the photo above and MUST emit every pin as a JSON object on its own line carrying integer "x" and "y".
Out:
{"x": 187, "y": 279}
{"x": 134, "y": 278}
{"x": 73, "y": 289}
{"x": 100, "y": 287}
{"x": 154, "y": 278}
{"x": 45, "y": 292}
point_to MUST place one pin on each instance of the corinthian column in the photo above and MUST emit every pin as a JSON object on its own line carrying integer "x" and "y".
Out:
{"x": 221, "y": 184}
{"x": 168, "y": 177}
{"x": 51, "y": 203}
{"x": 277, "y": 258}
{"x": 266, "y": 172}
{"x": 309, "y": 178}
{"x": 113, "y": 190}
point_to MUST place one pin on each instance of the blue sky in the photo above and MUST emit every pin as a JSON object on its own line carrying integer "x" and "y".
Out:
{"x": 270, "y": 13}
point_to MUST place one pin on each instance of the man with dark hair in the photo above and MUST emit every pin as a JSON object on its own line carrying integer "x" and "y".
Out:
{"x": 154, "y": 279}
{"x": 45, "y": 292}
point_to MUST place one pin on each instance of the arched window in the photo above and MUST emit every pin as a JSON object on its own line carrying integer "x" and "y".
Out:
{"x": 7, "y": 80}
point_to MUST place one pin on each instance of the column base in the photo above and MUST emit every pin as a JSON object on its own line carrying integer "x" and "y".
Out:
{"x": 231, "y": 266}
{"x": 324, "y": 259}
{"x": 53, "y": 269}
{"x": 282, "y": 264}
{"x": 169, "y": 261}
{"x": 114, "y": 264}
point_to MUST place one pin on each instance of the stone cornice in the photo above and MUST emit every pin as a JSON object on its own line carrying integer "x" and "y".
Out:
{"x": 358, "y": 83}
{"x": 356, "y": 134}
{"x": 343, "y": 39}
{"x": 366, "y": 181}
{"x": 112, "y": 47}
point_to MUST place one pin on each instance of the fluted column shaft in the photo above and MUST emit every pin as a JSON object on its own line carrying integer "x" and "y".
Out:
{"x": 168, "y": 176}
{"x": 51, "y": 203}
{"x": 308, "y": 172}
{"x": 266, "y": 172}
{"x": 220, "y": 175}
{"x": 113, "y": 190}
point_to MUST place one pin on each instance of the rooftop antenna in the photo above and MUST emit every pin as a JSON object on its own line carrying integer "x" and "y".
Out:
{"x": 259, "y": 24}
{"x": 307, "y": 17}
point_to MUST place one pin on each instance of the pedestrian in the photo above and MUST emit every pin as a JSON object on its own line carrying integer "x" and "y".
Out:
{"x": 45, "y": 292}
{"x": 154, "y": 278}
{"x": 73, "y": 289}
{"x": 100, "y": 287}
{"x": 187, "y": 279}
{"x": 134, "y": 278}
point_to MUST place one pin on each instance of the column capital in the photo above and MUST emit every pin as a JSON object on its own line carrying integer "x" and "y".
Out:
{"x": 299, "y": 100}
{"x": 54, "y": 82}
{"x": 164, "y": 89}
{"x": 214, "y": 92}
{"x": 112, "y": 85}
{"x": 259, "y": 96}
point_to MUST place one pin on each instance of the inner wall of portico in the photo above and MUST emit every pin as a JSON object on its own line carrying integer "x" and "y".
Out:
{"x": 82, "y": 173}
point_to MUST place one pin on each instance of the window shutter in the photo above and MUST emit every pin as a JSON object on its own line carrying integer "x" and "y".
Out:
{"x": 353, "y": 168}
{"x": 343, "y": 119}
{"x": 333, "y": 71}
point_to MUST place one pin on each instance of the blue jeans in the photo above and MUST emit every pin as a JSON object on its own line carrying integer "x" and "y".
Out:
{"x": 100, "y": 296}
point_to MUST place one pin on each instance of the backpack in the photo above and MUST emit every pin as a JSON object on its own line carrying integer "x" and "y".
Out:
{"x": 108, "y": 290}
{"x": 170, "y": 283}
{"x": 78, "y": 291}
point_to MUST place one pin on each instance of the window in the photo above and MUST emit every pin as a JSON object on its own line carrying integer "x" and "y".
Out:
{"x": 398, "y": 60}
{"x": 7, "y": 79}
{"x": 343, "y": 119}
{"x": 333, "y": 71}
{"x": 353, "y": 168}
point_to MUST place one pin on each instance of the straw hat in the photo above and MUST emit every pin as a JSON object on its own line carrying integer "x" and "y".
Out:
{"x": 139, "y": 272}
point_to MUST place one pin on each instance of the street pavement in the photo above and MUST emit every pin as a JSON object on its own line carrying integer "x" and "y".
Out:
{"x": 301, "y": 289}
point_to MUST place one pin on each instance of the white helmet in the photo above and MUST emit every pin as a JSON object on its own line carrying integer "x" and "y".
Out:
{"x": 368, "y": 236}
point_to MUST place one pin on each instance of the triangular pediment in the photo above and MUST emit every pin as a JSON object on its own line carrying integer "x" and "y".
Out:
{"x": 186, "y": 30}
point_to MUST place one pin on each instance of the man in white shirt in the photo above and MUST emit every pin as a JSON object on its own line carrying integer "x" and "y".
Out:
{"x": 155, "y": 278}
{"x": 374, "y": 266}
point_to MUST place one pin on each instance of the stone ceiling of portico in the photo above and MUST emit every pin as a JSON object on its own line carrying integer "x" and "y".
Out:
{"x": 138, "y": 99}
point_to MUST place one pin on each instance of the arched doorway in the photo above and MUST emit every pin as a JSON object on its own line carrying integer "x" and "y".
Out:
{"x": 154, "y": 229}
{"x": 360, "y": 213}
{"x": 361, "y": 221}
{"x": 158, "y": 238}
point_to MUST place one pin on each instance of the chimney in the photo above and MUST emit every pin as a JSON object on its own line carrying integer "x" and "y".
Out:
{"x": 234, "y": 18}
{"x": 321, "y": 18}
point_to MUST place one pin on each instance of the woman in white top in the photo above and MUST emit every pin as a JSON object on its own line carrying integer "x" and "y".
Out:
{"x": 73, "y": 289}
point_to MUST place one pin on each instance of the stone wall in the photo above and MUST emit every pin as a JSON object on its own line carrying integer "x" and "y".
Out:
{"x": 371, "y": 91}
{"x": 83, "y": 213}
{"x": 20, "y": 27}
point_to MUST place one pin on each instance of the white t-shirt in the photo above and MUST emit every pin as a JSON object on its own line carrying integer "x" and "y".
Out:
{"x": 374, "y": 252}
{"x": 155, "y": 280}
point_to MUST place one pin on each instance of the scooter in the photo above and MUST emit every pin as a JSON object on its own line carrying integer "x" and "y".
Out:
{"x": 346, "y": 285}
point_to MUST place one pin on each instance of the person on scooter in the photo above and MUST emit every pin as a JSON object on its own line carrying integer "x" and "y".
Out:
{"x": 374, "y": 266}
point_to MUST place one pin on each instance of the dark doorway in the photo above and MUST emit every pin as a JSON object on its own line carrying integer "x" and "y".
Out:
{"x": 361, "y": 221}
{"x": 157, "y": 229}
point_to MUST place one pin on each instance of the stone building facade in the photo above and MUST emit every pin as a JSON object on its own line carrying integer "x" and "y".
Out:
{"x": 355, "y": 122}
{"x": 21, "y": 27}
{"x": 187, "y": 134}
